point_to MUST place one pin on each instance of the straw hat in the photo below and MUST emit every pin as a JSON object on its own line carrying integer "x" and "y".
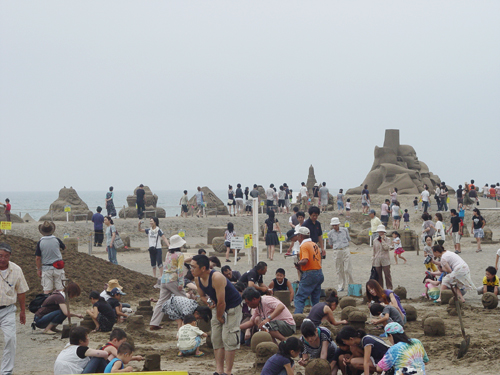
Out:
{"x": 335, "y": 221}
{"x": 176, "y": 242}
{"x": 381, "y": 228}
{"x": 47, "y": 228}
{"x": 112, "y": 284}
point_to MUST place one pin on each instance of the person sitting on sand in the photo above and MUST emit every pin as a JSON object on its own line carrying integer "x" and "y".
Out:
{"x": 124, "y": 355}
{"x": 404, "y": 352}
{"x": 318, "y": 343}
{"x": 54, "y": 310}
{"x": 114, "y": 302}
{"x": 189, "y": 338}
{"x": 282, "y": 362}
{"x": 281, "y": 283}
{"x": 97, "y": 365}
{"x": 458, "y": 271}
{"x": 385, "y": 314}
{"x": 233, "y": 276}
{"x": 254, "y": 278}
{"x": 106, "y": 293}
{"x": 76, "y": 355}
{"x": 323, "y": 311}
{"x": 375, "y": 294}
{"x": 101, "y": 313}
{"x": 490, "y": 282}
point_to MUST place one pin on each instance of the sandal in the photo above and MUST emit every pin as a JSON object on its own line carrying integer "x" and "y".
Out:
{"x": 479, "y": 250}
{"x": 180, "y": 354}
{"x": 199, "y": 355}
{"x": 49, "y": 332}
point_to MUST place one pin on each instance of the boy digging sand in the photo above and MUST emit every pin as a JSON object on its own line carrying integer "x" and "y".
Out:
{"x": 123, "y": 357}
{"x": 189, "y": 338}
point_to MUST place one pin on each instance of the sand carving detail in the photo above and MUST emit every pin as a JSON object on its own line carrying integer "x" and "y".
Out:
{"x": 67, "y": 197}
{"x": 150, "y": 201}
{"x": 397, "y": 165}
{"x": 212, "y": 203}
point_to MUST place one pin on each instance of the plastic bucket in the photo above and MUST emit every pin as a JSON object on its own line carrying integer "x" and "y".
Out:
{"x": 354, "y": 290}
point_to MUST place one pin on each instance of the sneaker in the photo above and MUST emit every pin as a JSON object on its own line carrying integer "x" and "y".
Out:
{"x": 227, "y": 260}
{"x": 238, "y": 259}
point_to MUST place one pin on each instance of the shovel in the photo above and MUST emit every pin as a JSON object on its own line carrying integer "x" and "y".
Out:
{"x": 66, "y": 328}
{"x": 464, "y": 345}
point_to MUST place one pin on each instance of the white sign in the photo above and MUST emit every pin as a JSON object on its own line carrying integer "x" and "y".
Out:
{"x": 238, "y": 243}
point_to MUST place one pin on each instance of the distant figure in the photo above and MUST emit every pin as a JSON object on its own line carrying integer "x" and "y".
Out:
{"x": 365, "y": 200}
{"x": 49, "y": 261}
{"x": 315, "y": 195}
{"x": 184, "y": 204}
{"x": 140, "y": 193}
{"x": 231, "y": 202}
{"x": 110, "y": 206}
{"x": 155, "y": 236}
{"x": 323, "y": 195}
{"x": 199, "y": 202}
{"x": 303, "y": 196}
{"x": 7, "y": 209}
{"x": 98, "y": 221}
{"x": 110, "y": 239}
{"x": 270, "y": 197}
{"x": 239, "y": 200}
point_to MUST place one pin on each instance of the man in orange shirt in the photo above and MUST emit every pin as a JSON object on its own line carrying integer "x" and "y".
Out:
{"x": 310, "y": 265}
{"x": 493, "y": 192}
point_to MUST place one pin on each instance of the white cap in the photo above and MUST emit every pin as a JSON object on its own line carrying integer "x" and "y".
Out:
{"x": 303, "y": 230}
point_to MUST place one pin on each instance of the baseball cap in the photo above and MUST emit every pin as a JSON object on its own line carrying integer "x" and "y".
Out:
{"x": 303, "y": 230}
{"x": 116, "y": 291}
{"x": 5, "y": 247}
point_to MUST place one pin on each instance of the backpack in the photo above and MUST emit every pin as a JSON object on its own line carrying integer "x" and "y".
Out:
{"x": 37, "y": 302}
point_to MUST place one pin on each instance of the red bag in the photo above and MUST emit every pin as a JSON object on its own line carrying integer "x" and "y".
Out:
{"x": 59, "y": 264}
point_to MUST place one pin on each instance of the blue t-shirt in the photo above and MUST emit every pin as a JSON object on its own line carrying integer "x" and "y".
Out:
{"x": 108, "y": 368}
{"x": 98, "y": 221}
{"x": 275, "y": 364}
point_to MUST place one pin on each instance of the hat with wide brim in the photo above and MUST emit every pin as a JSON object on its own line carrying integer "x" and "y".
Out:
{"x": 112, "y": 284}
{"x": 381, "y": 228}
{"x": 335, "y": 221}
{"x": 303, "y": 230}
{"x": 47, "y": 228}
{"x": 176, "y": 242}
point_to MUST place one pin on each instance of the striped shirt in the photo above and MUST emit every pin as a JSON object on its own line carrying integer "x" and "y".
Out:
{"x": 12, "y": 284}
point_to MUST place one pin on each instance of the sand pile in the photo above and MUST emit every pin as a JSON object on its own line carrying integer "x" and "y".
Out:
{"x": 67, "y": 197}
{"x": 88, "y": 271}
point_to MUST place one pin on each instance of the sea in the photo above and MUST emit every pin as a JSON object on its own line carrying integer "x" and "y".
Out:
{"x": 37, "y": 203}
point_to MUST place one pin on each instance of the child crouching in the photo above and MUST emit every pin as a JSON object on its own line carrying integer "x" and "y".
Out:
{"x": 123, "y": 357}
{"x": 189, "y": 337}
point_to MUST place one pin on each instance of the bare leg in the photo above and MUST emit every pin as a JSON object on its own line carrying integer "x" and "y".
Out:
{"x": 154, "y": 272}
{"x": 179, "y": 323}
{"x": 271, "y": 252}
{"x": 227, "y": 253}
{"x": 49, "y": 327}
{"x": 229, "y": 354}
{"x": 219, "y": 360}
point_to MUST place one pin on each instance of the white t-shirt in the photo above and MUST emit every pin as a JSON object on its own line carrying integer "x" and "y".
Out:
{"x": 270, "y": 194}
{"x": 303, "y": 191}
{"x": 395, "y": 210}
{"x": 425, "y": 196}
{"x": 498, "y": 252}
{"x": 384, "y": 209}
{"x": 68, "y": 362}
{"x": 154, "y": 237}
{"x": 187, "y": 335}
{"x": 296, "y": 244}
{"x": 486, "y": 190}
{"x": 453, "y": 260}
{"x": 440, "y": 229}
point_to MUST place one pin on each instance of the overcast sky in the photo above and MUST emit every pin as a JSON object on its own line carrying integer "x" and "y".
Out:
{"x": 176, "y": 94}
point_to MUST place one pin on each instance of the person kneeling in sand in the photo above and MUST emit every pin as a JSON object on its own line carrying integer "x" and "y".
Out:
{"x": 189, "y": 337}
{"x": 123, "y": 356}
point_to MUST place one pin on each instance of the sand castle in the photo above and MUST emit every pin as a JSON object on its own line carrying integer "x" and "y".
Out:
{"x": 67, "y": 197}
{"x": 150, "y": 201}
{"x": 213, "y": 203}
{"x": 397, "y": 165}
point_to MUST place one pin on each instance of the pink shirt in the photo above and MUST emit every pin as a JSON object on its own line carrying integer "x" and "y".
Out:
{"x": 384, "y": 210}
{"x": 267, "y": 305}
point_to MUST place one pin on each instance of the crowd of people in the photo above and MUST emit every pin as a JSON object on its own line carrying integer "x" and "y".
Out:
{"x": 238, "y": 305}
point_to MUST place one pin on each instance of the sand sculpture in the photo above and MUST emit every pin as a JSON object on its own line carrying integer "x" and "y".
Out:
{"x": 67, "y": 197}
{"x": 357, "y": 319}
{"x": 150, "y": 200}
{"x": 347, "y": 301}
{"x": 397, "y": 165}
{"x": 344, "y": 314}
{"x": 400, "y": 292}
{"x": 311, "y": 179}
{"x": 489, "y": 300}
{"x": 13, "y": 217}
{"x": 259, "y": 337}
{"x": 411, "y": 313}
{"x": 213, "y": 203}
{"x": 299, "y": 318}
{"x": 318, "y": 366}
{"x": 263, "y": 352}
{"x": 434, "y": 326}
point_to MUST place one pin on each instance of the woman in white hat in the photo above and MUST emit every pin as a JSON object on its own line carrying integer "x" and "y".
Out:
{"x": 172, "y": 281}
{"x": 381, "y": 258}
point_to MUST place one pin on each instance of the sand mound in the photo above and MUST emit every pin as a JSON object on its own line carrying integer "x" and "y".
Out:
{"x": 88, "y": 271}
{"x": 67, "y": 197}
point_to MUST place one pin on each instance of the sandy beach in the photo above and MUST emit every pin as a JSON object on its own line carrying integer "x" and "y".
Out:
{"x": 482, "y": 325}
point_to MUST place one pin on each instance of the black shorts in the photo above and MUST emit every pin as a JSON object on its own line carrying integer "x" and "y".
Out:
{"x": 248, "y": 208}
{"x": 270, "y": 203}
{"x": 281, "y": 203}
{"x": 184, "y": 208}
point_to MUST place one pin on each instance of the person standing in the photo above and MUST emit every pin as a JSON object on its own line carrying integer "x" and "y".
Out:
{"x": 340, "y": 201}
{"x": 478, "y": 224}
{"x": 456, "y": 230}
{"x": 443, "y": 196}
{"x": 270, "y": 197}
{"x": 304, "y": 196}
{"x": 49, "y": 262}
{"x": 375, "y": 223}
{"x": 315, "y": 227}
{"x": 323, "y": 195}
{"x": 199, "y": 202}
{"x": 155, "y": 236}
{"x": 98, "y": 221}
{"x": 315, "y": 195}
{"x": 425, "y": 198}
{"x": 183, "y": 202}
{"x": 139, "y": 201}
{"x": 7, "y": 209}
{"x": 384, "y": 213}
{"x": 110, "y": 239}
{"x": 339, "y": 239}
{"x": 282, "y": 200}
{"x": 172, "y": 280}
{"x": 365, "y": 200}
{"x": 13, "y": 288}
{"x": 459, "y": 195}
{"x": 288, "y": 197}
{"x": 381, "y": 259}
{"x": 394, "y": 196}
{"x": 231, "y": 202}
{"x": 110, "y": 205}
{"x": 312, "y": 274}
{"x": 225, "y": 301}
{"x": 240, "y": 207}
